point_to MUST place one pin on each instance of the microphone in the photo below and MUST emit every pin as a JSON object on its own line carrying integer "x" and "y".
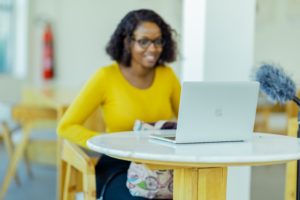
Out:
{"x": 276, "y": 84}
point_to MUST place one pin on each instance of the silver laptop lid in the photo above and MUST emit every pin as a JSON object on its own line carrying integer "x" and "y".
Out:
{"x": 216, "y": 111}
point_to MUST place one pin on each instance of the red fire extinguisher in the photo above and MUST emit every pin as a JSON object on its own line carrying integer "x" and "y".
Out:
{"x": 48, "y": 54}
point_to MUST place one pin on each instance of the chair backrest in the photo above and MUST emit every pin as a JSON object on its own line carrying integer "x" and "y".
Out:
{"x": 38, "y": 123}
{"x": 268, "y": 115}
{"x": 278, "y": 114}
{"x": 291, "y": 108}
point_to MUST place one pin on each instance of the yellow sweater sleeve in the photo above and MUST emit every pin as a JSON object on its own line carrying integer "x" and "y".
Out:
{"x": 90, "y": 97}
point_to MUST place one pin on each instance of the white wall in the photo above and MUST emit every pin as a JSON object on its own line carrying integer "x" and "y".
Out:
{"x": 278, "y": 34}
{"x": 276, "y": 39}
{"x": 218, "y": 40}
{"x": 194, "y": 12}
{"x": 10, "y": 89}
{"x": 229, "y": 36}
{"x": 82, "y": 30}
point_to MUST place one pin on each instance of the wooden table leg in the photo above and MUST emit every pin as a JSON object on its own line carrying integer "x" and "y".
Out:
{"x": 200, "y": 184}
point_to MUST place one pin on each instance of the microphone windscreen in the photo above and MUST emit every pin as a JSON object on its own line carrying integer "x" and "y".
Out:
{"x": 275, "y": 83}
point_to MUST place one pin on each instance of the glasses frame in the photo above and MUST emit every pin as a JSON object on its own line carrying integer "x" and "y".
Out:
{"x": 145, "y": 46}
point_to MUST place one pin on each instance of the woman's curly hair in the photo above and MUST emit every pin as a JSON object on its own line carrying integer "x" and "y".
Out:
{"x": 123, "y": 34}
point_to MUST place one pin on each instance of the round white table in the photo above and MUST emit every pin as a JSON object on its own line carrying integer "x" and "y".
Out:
{"x": 200, "y": 170}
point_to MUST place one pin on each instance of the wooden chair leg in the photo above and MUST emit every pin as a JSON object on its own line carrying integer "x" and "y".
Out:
{"x": 27, "y": 164}
{"x": 61, "y": 166}
{"x": 82, "y": 170}
{"x": 70, "y": 183}
{"x": 9, "y": 147}
{"x": 61, "y": 171}
{"x": 89, "y": 182}
{"x": 67, "y": 182}
{"x": 17, "y": 156}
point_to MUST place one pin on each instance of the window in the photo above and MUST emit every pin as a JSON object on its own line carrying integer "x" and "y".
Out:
{"x": 6, "y": 35}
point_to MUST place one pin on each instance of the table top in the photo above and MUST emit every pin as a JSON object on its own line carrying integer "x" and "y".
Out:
{"x": 262, "y": 149}
{"x": 51, "y": 96}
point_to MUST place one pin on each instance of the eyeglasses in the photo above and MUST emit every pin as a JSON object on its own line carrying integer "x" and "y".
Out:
{"x": 145, "y": 43}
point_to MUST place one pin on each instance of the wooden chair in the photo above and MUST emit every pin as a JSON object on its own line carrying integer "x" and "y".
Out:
{"x": 267, "y": 113}
{"x": 76, "y": 168}
{"x": 8, "y": 130}
{"x": 30, "y": 118}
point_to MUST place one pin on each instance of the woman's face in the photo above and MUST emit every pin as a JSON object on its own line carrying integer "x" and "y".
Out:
{"x": 146, "y": 45}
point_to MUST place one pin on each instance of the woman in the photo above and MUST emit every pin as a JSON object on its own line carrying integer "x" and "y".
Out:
{"x": 137, "y": 86}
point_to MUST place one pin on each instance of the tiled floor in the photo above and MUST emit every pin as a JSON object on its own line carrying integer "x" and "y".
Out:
{"x": 267, "y": 182}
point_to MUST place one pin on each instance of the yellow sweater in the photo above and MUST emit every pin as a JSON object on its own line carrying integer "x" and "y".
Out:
{"x": 121, "y": 102}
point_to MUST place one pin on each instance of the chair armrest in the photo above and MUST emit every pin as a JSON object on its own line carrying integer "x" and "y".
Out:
{"x": 75, "y": 156}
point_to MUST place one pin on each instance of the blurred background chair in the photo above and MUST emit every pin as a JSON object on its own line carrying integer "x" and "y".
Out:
{"x": 37, "y": 123}
{"x": 273, "y": 118}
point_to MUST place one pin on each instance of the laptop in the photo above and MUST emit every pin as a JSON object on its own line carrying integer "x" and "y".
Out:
{"x": 214, "y": 112}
